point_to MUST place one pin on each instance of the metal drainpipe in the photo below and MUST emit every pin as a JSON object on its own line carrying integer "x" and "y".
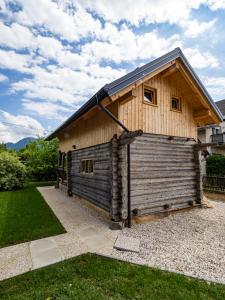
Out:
{"x": 128, "y": 160}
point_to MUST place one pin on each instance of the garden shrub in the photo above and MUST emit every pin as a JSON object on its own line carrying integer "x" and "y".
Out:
{"x": 215, "y": 165}
{"x": 41, "y": 159}
{"x": 12, "y": 171}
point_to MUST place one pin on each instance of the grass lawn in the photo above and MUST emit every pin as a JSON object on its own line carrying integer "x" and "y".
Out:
{"x": 94, "y": 277}
{"x": 25, "y": 216}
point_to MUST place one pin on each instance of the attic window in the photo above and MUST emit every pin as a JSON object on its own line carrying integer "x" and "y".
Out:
{"x": 176, "y": 104}
{"x": 150, "y": 96}
{"x": 87, "y": 166}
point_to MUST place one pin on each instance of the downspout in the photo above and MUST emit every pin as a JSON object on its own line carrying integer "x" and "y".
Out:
{"x": 128, "y": 159}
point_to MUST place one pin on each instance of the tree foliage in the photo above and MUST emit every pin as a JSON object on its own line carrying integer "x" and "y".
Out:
{"x": 12, "y": 171}
{"x": 215, "y": 165}
{"x": 40, "y": 157}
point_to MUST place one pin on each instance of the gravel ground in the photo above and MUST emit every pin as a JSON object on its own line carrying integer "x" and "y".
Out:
{"x": 191, "y": 242}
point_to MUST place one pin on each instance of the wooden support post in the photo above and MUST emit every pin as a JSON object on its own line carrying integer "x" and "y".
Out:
{"x": 114, "y": 181}
{"x": 199, "y": 174}
{"x": 69, "y": 176}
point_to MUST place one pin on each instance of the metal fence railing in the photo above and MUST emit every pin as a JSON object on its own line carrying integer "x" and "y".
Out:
{"x": 214, "y": 183}
{"x": 218, "y": 138}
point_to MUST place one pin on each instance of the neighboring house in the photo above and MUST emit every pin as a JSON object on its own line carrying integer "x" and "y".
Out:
{"x": 131, "y": 149}
{"x": 214, "y": 135}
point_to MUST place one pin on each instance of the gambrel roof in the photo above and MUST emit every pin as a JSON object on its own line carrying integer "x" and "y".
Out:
{"x": 138, "y": 74}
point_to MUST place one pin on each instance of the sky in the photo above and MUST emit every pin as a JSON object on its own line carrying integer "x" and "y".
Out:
{"x": 55, "y": 54}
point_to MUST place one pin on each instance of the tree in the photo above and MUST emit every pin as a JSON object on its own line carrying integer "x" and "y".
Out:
{"x": 12, "y": 171}
{"x": 41, "y": 158}
{"x": 2, "y": 147}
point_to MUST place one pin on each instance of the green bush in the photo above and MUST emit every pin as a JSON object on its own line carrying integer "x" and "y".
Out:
{"x": 215, "y": 165}
{"x": 40, "y": 158}
{"x": 12, "y": 171}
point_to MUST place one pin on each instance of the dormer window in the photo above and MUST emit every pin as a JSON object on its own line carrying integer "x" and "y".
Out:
{"x": 176, "y": 104}
{"x": 150, "y": 95}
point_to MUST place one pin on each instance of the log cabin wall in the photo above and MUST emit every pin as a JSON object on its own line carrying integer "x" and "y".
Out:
{"x": 164, "y": 174}
{"x": 160, "y": 119}
{"x": 99, "y": 186}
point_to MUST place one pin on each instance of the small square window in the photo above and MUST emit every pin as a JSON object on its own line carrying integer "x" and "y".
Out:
{"x": 150, "y": 96}
{"x": 176, "y": 104}
{"x": 86, "y": 166}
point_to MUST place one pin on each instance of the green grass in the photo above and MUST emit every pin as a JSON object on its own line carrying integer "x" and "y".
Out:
{"x": 94, "y": 277}
{"x": 25, "y": 216}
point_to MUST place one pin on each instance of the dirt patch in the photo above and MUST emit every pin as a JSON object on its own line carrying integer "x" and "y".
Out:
{"x": 215, "y": 196}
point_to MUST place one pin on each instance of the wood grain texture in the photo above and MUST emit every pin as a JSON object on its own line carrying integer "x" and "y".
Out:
{"x": 163, "y": 174}
{"x": 160, "y": 119}
{"x": 95, "y": 187}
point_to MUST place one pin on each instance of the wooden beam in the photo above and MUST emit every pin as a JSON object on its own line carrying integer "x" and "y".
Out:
{"x": 170, "y": 71}
{"x": 143, "y": 80}
{"x": 202, "y": 98}
{"x": 202, "y": 114}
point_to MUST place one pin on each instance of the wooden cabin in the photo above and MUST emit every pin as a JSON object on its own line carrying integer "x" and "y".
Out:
{"x": 132, "y": 149}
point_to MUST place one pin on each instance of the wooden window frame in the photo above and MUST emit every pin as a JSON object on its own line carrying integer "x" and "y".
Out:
{"x": 148, "y": 88}
{"x": 87, "y": 166}
{"x": 179, "y": 110}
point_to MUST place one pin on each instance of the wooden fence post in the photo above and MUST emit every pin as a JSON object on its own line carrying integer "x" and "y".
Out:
{"x": 69, "y": 176}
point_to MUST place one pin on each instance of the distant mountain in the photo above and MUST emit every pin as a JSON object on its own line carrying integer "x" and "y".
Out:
{"x": 20, "y": 144}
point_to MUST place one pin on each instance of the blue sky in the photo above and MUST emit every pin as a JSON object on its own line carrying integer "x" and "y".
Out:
{"x": 55, "y": 54}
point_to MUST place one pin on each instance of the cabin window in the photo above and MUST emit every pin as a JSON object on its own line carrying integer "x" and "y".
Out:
{"x": 176, "y": 104}
{"x": 150, "y": 96}
{"x": 87, "y": 166}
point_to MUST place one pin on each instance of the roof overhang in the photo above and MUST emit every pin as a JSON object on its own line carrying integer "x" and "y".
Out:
{"x": 138, "y": 75}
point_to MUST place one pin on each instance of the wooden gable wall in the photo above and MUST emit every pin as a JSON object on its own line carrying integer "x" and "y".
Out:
{"x": 160, "y": 119}
{"x": 94, "y": 130}
{"x": 96, "y": 127}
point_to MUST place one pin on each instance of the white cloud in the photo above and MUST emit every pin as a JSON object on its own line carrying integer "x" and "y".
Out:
{"x": 194, "y": 28}
{"x": 65, "y": 85}
{"x": 16, "y": 127}
{"x": 125, "y": 46}
{"x": 216, "y": 4}
{"x": 215, "y": 86}
{"x": 147, "y": 11}
{"x": 13, "y": 60}
{"x": 201, "y": 60}
{"x": 3, "y": 77}
{"x": 16, "y": 36}
{"x": 46, "y": 109}
{"x": 50, "y": 15}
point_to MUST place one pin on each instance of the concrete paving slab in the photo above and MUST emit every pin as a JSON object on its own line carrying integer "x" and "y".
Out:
{"x": 44, "y": 252}
{"x": 125, "y": 243}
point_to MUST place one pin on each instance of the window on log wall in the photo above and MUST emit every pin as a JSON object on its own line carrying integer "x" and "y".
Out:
{"x": 87, "y": 166}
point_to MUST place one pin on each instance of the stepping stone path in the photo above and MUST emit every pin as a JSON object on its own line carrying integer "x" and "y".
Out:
{"x": 44, "y": 252}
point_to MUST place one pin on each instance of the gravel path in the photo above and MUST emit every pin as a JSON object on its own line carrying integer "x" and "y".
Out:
{"x": 191, "y": 242}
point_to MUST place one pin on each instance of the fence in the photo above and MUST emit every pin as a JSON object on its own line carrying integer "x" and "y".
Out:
{"x": 214, "y": 183}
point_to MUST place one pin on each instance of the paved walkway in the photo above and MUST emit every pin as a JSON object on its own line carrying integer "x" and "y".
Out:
{"x": 87, "y": 231}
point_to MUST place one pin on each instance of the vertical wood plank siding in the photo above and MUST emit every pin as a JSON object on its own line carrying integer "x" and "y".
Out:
{"x": 163, "y": 174}
{"x": 96, "y": 187}
{"x": 160, "y": 119}
{"x": 97, "y": 129}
